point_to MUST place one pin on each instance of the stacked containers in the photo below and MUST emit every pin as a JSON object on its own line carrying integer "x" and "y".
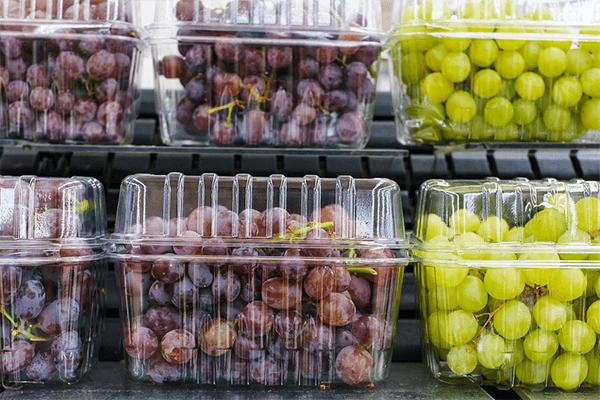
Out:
{"x": 496, "y": 70}
{"x": 68, "y": 70}
{"x": 279, "y": 281}
{"x": 509, "y": 281}
{"x": 295, "y": 73}
{"x": 53, "y": 235}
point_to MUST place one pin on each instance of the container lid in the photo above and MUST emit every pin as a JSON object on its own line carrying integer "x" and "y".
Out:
{"x": 484, "y": 220}
{"x": 273, "y": 212}
{"x": 282, "y": 15}
{"x": 51, "y": 219}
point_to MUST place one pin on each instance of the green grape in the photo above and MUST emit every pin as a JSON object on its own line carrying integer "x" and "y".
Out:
{"x": 507, "y": 133}
{"x": 434, "y": 57}
{"x": 567, "y": 135}
{"x": 556, "y": 118}
{"x": 483, "y": 52}
{"x": 487, "y": 83}
{"x": 548, "y": 225}
{"x": 552, "y": 62}
{"x": 413, "y": 68}
{"x": 541, "y": 13}
{"x": 481, "y": 130}
{"x": 563, "y": 45}
{"x": 464, "y": 220}
{"x": 416, "y": 39}
{"x": 513, "y": 320}
{"x": 561, "y": 202}
{"x": 503, "y": 256}
{"x": 460, "y": 107}
{"x": 598, "y": 288}
{"x": 577, "y": 337}
{"x": 530, "y": 86}
{"x": 525, "y": 111}
{"x": 577, "y": 237}
{"x": 458, "y": 327}
{"x": 470, "y": 239}
{"x": 570, "y": 313}
{"x": 456, "y": 66}
{"x": 462, "y": 359}
{"x": 437, "y": 88}
{"x": 543, "y": 256}
{"x": 434, "y": 321}
{"x": 530, "y": 53}
{"x": 435, "y": 227}
{"x": 507, "y": 90}
{"x": 498, "y": 111}
{"x": 532, "y": 372}
{"x": 409, "y": 14}
{"x": 443, "y": 298}
{"x": 491, "y": 351}
{"x": 592, "y": 314}
{"x": 578, "y": 61}
{"x": 446, "y": 275}
{"x": 515, "y": 234}
{"x": 550, "y": 314}
{"x": 456, "y": 131}
{"x": 510, "y": 44}
{"x": 569, "y": 371}
{"x": 567, "y": 284}
{"x": 593, "y": 375}
{"x": 590, "y": 114}
{"x": 456, "y": 44}
{"x": 432, "y": 10}
{"x": 587, "y": 214}
{"x": 590, "y": 81}
{"x": 509, "y": 64}
{"x": 504, "y": 283}
{"x": 472, "y": 295}
{"x": 592, "y": 45}
{"x": 493, "y": 229}
{"x": 514, "y": 352}
{"x": 567, "y": 91}
{"x": 592, "y": 277}
{"x": 540, "y": 345}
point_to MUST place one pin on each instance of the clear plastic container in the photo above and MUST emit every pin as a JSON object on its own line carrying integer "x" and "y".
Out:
{"x": 223, "y": 280}
{"x": 53, "y": 246}
{"x": 296, "y": 73}
{"x": 69, "y": 11}
{"x": 509, "y": 277}
{"x": 496, "y": 70}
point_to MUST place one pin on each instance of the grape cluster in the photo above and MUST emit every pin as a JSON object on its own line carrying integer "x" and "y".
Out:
{"x": 531, "y": 86}
{"x": 265, "y": 297}
{"x": 74, "y": 86}
{"x": 237, "y": 92}
{"x": 522, "y": 315}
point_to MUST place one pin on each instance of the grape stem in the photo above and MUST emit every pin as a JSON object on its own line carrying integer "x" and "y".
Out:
{"x": 359, "y": 270}
{"x": 306, "y": 229}
{"x": 21, "y": 329}
{"x": 337, "y": 16}
{"x": 490, "y": 315}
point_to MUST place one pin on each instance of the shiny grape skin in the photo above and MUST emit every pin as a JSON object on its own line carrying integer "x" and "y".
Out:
{"x": 41, "y": 368}
{"x": 30, "y": 300}
{"x": 16, "y": 356}
{"x": 140, "y": 343}
{"x": 226, "y": 286}
{"x": 256, "y": 319}
{"x": 353, "y": 365}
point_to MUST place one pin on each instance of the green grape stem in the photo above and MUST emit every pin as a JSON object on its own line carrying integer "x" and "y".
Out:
{"x": 489, "y": 315}
{"x": 359, "y": 270}
{"x": 337, "y": 16}
{"x": 21, "y": 329}
{"x": 306, "y": 229}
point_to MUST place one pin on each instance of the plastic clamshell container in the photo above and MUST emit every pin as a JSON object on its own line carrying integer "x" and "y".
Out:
{"x": 495, "y": 70}
{"x": 509, "y": 281}
{"x": 52, "y": 266}
{"x": 223, "y": 280}
{"x": 69, "y": 71}
{"x": 295, "y": 73}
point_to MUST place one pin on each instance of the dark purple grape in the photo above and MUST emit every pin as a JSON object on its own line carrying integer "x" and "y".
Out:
{"x": 11, "y": 46}
{"x": 234, "y": 370}
{"x": 367, "y": 54}
{"x": 184, "y": 110}
{"x": 189, "y": 10}
{"x": 282, "y": 348}
{"x": 172, "y": 66}
{"x": 65, "y": 102}
{"x": 317, "y": 337}
{"x": 353, "y": 365}
{"x": 275, "y": 221}
{"x": 41, "y": 368}
{"x": 18, "y": 91}
{"x": 371, "y": 331}
{"x": 163, "y": 372}
{"x": 201, "y": 117}
{"x": 16, "y": 356}
{"x": 288, "y": 324}
{"x": 230, "y": 311}
{"x": 356, "y": 73}
{"x": 178, "y": 346}
{"x": 226, "y": 286}
{"x": 30, "y": 300}
{"x": 217, "y": 337}
{"x": 41, "y": 98}
{"x": 311, "y": 365}
{"x": 195, "y": 90}
{"x": 293, "y": 135}
{"x": 167, "y": 269}
{"x": 303, "y": 114}
{"x": 197, "y": 57}
{"x": 350, "y": 127}
{"x": 253, "y": 88}
{"x": 341, "y": 278}
{"x": 107, "y": 90}
{"x": 335, "y": 101}
{"x": 200, "y": 274}
{"x": 344, "y": 338}
{"x": 160, "y": 293}
{"x": 122, "y": 68}
{"x": 67, "y": 353}
{"x": 337, "y": 310}
{"x": 85, "y": 109}
{"x": 254, "y": 127}
{"x": 326, "y": 55}
{"x": 140, "y": 343}
{"x": 352, "y": 103}
{"x": 222, "y": 133}
{"x": 256, "y": 319}
{"x": 293, "y": 267}
{"x": 20, "y": 115}
{"x": 228, "y": 50}
{"x": 267, "y": 370}
{"x": 162, "y": 320}
{"x": 310, "y": 92}
{"x": 70, "y": 65}
{"x": 330, "y": 76}
{"x": 247, "y": 347}
{"x": 10, "y": 282}
{"x": 184, "y": 294}
{"x": 17, "y": 69}
{"x": 200, "y": 221}
{"x": 360, "y": 291}
{"x": 318, "y": 243}
{"x": 280, "y": 294}
{"x": 51, "y": 124}
{"x": 90, "y": 46}
{"x": 308, "y": 67}
{"x": 318, "y": 284}
{"x": 101, "y": 65}
{"x": 195, "y": 320}
{"x": 109, "y": 113}
{"x": 226, "y": 84}
{"x": 226, "y": 223}
{"x": 281, "y": 105}
{"x": 92, "y": 132}
{"x": 254, "y": 61}
{"x": 279, "y": 57}
{"x": 251, "y": 224}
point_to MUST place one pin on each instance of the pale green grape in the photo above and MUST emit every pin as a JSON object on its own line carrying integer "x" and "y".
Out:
{"x": 592, "y": 45}
{"x": 541, "y": 13}
{"x": 590, "y": 114}
{"x": 590, "y": 81}
{"x": 552, "y": 62}
{"x": 593, "y": 375}
{"x": 493, "y": 229}
{"x": 435, "y": 227}
{"x": 569, "y": 371}
{"x": 472, "y": 295}
{"x": 592, "y": 277}
{"x": 433, "y": 10}
{"x": 587, "y": 213}
{"x": 532, "y": 372}
{"x": 434, "y": 321}
{"x": 577, "y": 337}
{"x": 446, "y": 275}
{"x": 544, "y": 256}
{"x": 578, "y": 61}
{"x": 413, "y": 67}
{"x": 509, "y": 64}
{"x": 491, "y": 351}
{"x": 458, "y": 327}
{"x": 548, "y": 225}
{"x": 437, "y": 88}
{"x": 513, "y": 320}
{"x": 556, "y": 118}
{"x": 563, "y": 45}
{"x": 567, "y": 284}
{"x": 460, "y": 107}
{"x": 550, "y": 314}
{"x": 563, "y": 203}
{"x": 443, "y": 298}
{"x": 530, "y": 53}
{"x": 574, "y": 236}
{"x": 470, "y": 239}
{"x": 507, "y": 90}
{"x": 415, "y": 39}
{"x": 462, "y": 359}
{"x": 530, "y": 86}
{"x": 510, "y": 44}
{"x": 464, "y": 220}
{"x": 507, "y": 133}
{"x": 434, "y": 57}
{"x": 498, "y": 111}
{"x": 483, "y": 52}
{"x": 487, "y": 83}
{"x": 456, "y": 44}
{"x": 540, "y": 345}
{"x": 525, "y": 111}
{"x": 514, "y": 353}
{"x": 516, "y": 233}
{"x": 592, "y": 315}
{"x": 567, "y": 91}
{"x": 504, "y": 283}
{"x": 456, "y": 66}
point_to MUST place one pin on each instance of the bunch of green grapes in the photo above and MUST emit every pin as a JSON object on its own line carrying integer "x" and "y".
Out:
{"x": 490, "y": 87}
{"x": 515, "y": 317}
